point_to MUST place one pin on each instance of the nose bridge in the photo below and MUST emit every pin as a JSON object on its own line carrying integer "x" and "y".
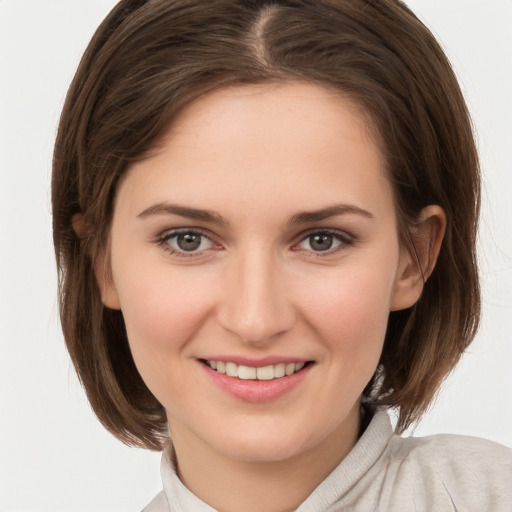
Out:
{"x": 256, "y": 307}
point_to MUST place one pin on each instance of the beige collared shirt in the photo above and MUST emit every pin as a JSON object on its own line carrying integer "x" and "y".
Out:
{"x": 385, "y": 472}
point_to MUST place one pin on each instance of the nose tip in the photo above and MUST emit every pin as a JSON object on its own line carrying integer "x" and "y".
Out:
{"x": 256, "y": 307}
{"x": 258, "y": 324}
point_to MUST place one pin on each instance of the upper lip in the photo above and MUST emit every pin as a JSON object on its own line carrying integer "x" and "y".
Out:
{"x": 256, "y": 362}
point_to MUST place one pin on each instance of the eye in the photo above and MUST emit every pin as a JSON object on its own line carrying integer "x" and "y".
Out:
{"x": 181, "y": 242}
{"x": 324, "y": 241}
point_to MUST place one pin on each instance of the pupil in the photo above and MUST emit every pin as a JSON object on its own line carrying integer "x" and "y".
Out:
{"x": 321, "y": 242}
{"x": 189, "y": 241}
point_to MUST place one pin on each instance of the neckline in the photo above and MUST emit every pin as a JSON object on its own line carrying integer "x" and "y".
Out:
{"x": 369, "y": 447}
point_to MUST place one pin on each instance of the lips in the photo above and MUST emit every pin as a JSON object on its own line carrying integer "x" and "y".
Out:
{"x": 257, "y": 382}
{"x": 267, "y": 372}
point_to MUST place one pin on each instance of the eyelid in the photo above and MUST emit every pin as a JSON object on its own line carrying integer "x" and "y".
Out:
{"x": 343, "y": 237}
{"x": 168, "y": 234}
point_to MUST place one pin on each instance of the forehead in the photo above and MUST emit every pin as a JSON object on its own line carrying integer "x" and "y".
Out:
{"x": 265, "y": 145}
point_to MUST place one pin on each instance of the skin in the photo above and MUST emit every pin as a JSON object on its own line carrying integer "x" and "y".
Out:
{"x": 256, "y": 287}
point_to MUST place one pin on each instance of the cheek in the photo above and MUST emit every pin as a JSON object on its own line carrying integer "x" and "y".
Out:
{"x": 162, "y": 311}
{"x": 349, "y": 313}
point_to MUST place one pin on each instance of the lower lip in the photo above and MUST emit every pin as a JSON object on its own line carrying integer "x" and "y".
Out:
{"x": 257, "y": 391}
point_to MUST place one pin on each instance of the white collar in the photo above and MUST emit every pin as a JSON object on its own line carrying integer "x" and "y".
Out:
{"x": 344, "y": 477}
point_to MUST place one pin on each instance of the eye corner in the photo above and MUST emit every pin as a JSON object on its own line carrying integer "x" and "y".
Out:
{"x": 334, "y": 241}
{"x": 186, "y": 242}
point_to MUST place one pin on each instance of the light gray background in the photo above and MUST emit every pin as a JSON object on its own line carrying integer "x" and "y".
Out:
{"x": 54, "y": 455}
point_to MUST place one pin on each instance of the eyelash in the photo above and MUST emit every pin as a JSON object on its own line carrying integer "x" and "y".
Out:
{"x": 343, "y": 238}
{"x": 163, "y": 241}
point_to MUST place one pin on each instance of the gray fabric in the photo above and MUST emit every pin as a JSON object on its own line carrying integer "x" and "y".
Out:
{"x": 387, "y": 473}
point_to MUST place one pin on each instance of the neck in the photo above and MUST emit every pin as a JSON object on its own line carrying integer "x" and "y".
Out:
{"x": 229, "y": 484}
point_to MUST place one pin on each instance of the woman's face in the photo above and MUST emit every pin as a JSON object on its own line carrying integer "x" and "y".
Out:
{"x": 260, "y": 239}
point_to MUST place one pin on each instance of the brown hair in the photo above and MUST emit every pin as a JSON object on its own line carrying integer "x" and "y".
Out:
{"x": 149, "y": 59}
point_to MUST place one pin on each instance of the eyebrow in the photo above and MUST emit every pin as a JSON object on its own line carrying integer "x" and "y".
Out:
{"x": 215, "y": 218}
{"x": 184, "y": 211}
{"x": 326, "y": 213}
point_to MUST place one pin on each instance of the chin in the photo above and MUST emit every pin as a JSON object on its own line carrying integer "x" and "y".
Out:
{"x": 270, "y": 443}
{"x": 250, "y": 451}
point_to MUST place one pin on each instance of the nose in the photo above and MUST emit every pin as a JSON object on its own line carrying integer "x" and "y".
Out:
{"x": 255, "y": 306}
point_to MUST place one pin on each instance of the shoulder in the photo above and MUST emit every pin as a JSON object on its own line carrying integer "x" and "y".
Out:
{"x": 475, "y": 474}
{"x": 452, "y": 452}
{"x": 451, "y": 442}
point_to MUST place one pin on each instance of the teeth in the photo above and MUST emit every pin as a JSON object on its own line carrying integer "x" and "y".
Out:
{"x": 249, "y": 373}
{"x": 246, "y": 372}
{"x": 231, "y": 370}
{"x": 279, "y": 370}
{"x": 265, "y": 373}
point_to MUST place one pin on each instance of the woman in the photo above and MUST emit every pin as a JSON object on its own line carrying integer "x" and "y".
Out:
{"x": 265, "y": 214}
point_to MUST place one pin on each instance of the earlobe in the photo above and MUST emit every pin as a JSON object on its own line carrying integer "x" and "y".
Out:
{"x": 101, "y": 265}
{"x": 418, "y": 262}
{"x": 81, "y": 227}
{"x": 106, "y": 285}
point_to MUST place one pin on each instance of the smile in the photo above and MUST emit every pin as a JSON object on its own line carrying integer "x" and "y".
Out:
{"x": 242, "y": 372}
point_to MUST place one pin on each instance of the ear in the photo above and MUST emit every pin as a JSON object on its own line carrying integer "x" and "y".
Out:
{"x": 417, "y": 262}
{"x": 101, "y": 263}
